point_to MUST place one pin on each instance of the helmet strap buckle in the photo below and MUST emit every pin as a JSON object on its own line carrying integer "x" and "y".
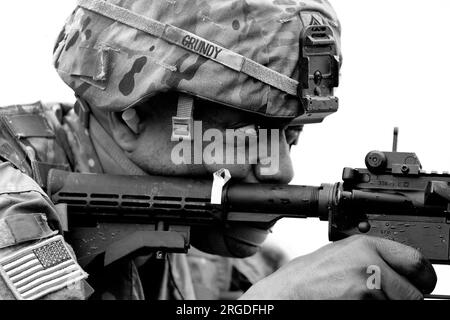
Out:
{"x": 183, "y": 122}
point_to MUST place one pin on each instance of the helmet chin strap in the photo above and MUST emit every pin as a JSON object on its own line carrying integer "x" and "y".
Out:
{"x": 183, "y": 122}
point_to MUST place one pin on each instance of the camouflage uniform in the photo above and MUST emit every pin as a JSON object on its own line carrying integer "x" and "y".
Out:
{"x": 113, "y": 64}
{"x": 53, "y": 136}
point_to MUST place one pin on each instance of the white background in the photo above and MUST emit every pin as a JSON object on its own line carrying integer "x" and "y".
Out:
{"x": 395, "y": 73}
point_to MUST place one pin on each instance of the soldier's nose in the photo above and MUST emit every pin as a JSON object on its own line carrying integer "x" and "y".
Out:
{"x": 274, "y": 163}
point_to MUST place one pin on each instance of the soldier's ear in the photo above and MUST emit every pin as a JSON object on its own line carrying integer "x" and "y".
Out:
{"x": 125, "y": 136}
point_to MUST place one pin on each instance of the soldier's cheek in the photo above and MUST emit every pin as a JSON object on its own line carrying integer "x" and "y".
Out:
{"x": 238, "y": 172}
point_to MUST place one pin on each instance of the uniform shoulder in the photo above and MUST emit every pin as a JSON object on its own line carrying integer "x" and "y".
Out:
{"x": 31, "y": 138}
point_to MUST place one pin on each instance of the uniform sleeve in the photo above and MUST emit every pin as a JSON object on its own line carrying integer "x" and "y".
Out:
{"x": 35, "y": 262}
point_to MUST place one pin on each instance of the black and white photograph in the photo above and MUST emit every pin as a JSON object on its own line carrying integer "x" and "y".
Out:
{"x": 223, "y": 150}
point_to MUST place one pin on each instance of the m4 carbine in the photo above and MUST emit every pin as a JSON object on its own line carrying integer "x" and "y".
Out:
{"x": 392, "y": 198}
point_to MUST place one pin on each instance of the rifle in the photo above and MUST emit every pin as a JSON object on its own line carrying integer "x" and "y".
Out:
{"x": 392, "y": 198}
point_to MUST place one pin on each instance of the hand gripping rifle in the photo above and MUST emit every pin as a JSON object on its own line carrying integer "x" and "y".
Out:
{"x": 392, "y": 198}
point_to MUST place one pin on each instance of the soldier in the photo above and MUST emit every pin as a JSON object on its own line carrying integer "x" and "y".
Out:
{"x": 142, "y": 71}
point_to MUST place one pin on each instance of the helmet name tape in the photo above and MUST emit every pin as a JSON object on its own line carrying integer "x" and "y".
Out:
{"x": 201, "y": 47}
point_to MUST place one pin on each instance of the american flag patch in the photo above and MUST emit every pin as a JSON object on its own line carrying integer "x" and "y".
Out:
{"x": 40, "y": 269}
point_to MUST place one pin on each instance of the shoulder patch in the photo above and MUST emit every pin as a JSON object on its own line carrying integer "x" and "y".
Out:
{"x": 40, "y": 269}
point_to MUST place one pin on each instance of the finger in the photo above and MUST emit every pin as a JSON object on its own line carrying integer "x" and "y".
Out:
{"x": 408, "y": 262}
{"x": 395, "y": 286}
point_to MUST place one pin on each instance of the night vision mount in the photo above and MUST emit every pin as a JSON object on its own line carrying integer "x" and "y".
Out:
{"x": 319, "y": 69}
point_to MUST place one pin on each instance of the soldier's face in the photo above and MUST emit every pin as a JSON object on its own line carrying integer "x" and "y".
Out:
{"x": 154, "y": 151}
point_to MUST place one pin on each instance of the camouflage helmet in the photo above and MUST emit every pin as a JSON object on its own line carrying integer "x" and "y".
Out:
{"x": 245, "y": 54}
